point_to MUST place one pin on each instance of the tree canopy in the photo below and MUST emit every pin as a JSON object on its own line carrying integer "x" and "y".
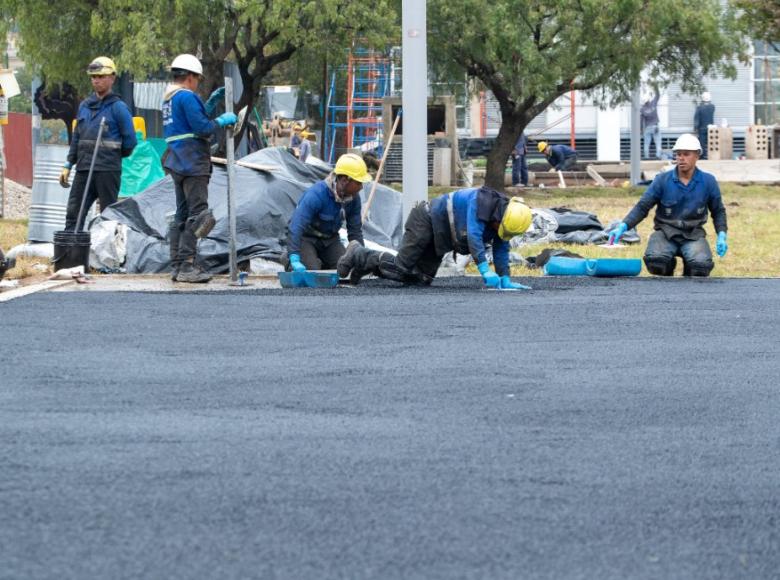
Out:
{"x": 529, "y": 53}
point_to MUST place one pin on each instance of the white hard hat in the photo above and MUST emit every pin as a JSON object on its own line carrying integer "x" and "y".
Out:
{"x": 187, "y": 62}
{"x": 705, "y": 96}
{"x": 687, "y": 142}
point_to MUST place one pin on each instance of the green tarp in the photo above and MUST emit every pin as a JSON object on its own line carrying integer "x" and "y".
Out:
{"x": 141, "y": 169}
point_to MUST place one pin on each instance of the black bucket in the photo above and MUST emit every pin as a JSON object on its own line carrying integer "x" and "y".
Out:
{"x": 71, "y": 249}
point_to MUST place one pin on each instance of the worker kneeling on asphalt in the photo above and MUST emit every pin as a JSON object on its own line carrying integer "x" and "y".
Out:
{"x": 464, "y": 221}
{"x": 116, "y": 142}
{"x": 187, "y": 159}
{"x": 313, "y": 241}
{"x": 682, "y": 198}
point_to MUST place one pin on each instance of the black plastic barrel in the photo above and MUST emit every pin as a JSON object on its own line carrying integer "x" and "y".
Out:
{"x": 71, "y": 249}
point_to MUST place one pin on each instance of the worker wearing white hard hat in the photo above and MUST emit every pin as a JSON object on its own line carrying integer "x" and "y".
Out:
{"x": 683, "y": 198}
{"x": 187, "y": 129}
{"x": 703, "y": 117}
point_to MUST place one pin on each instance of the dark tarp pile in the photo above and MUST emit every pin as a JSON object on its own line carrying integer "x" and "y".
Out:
{"x": 264, "y": 204}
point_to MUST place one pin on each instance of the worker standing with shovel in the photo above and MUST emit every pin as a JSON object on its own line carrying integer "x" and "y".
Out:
{"x": 187, "y": 159}
{"x": 118, "y": 141}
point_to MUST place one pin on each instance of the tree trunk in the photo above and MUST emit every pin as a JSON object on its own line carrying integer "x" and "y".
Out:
{"x": 511, "y": 128}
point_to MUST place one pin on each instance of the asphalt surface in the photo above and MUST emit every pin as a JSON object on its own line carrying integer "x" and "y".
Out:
{"x": 589, "y": 429}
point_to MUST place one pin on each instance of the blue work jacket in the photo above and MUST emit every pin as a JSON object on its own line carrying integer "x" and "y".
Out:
{"x": 472, "y": 233}
{"x": 118, "y": 139}
{"x": 187, "y": 129}
{"x": 319, "y": 215}
{"x": 703, "y": 117}
{"x": 681, "y": 210}
{"x": 559, "y": 154}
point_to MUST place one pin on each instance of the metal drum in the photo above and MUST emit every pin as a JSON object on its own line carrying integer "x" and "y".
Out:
{"x": 49, "y": 199}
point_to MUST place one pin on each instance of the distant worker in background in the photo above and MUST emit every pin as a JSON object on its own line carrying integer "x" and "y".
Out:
{"x": 702, "y": 119}
{"x": 276, "y": 131}
{"x": 651, "y": 131}
{"x": 313, "y": 241}
{"x": 187, "y": 129}
{"x": 304, "y": 149}
{"x": 519, "y": 161}
{"x": 682, "y": 198}
{"x": 561, "y": 157}
{"x": 295, "y": 138}
{"x": 465, "y": 221}
{"x": 117, "y": 141}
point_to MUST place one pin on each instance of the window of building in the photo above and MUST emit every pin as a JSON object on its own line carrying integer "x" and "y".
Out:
{"x": 766, "y": 82}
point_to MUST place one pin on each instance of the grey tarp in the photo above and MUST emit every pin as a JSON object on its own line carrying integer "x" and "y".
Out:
{"x": 264, "y": 204}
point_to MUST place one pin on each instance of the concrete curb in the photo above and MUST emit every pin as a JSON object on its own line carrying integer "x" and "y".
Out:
{"x": 32, "y": 289}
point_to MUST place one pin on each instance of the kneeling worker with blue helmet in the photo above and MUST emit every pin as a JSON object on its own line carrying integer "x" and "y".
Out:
{"x": 466, "y": 221}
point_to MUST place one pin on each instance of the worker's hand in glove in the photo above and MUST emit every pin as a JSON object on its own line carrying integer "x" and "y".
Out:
{"x": 505, "y": 283}
{"x": 721, "y": 246}
{"x": 226, "y": 119}
{"x": 214, "y": 99}
{"x": 65, "y": 174}
{"x": 617, "y": 233}
{"x": 296, "y": 264}
{"x": 489, "y": 276}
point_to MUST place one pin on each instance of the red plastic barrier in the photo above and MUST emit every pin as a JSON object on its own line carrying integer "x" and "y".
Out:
{"x": 17, "y": 135}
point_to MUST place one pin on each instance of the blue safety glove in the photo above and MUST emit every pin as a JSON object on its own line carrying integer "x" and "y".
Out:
{"x": 226, "y": 119}
{"x": 505, "y": 283}
{"x": 296, "y": 264}
{"x": 489, "y": 276}
{"x": 721, "y": 246}
{"x": 617, "y": 233}
{"x": 213, "y": 101}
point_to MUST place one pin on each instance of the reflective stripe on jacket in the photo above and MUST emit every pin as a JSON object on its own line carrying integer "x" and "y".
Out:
{"x": 118, "y": 139}
{"x": 187, "y": 129}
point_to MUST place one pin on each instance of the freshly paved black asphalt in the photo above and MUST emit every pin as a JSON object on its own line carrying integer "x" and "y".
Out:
{"x": 591, "y": 429}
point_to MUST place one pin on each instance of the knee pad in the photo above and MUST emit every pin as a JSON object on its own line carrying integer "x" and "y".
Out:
{"x": 699, "y": 268}
{"x": 660, "y": 265}
{"x": 202, "y": 224}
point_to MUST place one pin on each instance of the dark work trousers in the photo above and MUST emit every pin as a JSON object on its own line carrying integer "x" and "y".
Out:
{"x": 568, "y": 163}
{"x": 416, "y": 262}
{"x": 703, "y": 141}
{"x": 320, "y": 253}
{"x": 519, "y": 170}
{"x": 104, "y": 186}
{"x": 660, "y": 255}
{"x": 192, "y": 198}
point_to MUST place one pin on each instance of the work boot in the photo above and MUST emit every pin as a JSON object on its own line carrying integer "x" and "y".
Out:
{"x": 203, "y": 223}
{"x": 192, "y": 274}
{"x": 350, "y": 260}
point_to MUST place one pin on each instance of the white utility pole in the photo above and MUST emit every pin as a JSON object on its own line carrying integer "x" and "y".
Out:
{"x": 231, "y": 180}
{"x": 415, "y": 103}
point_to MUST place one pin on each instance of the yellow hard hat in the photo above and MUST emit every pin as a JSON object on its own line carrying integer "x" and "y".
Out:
{"x": 306, "y": 134}
{"x": 542, "y": 146}
{"x": 102, "y": 65}
{"x": 353, "y": 167}
{"x": 517, "y": 219}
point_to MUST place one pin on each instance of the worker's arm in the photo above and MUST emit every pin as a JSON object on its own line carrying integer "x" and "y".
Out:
{"x": 354, "y": 222}
{"x": 74, "y": 143}
{"x": 696, "y": 117}
{"x": 301, "y": 218}
{"x": 201, "y": 125}
{"x": 475, "y": 230}
{"x": 647, "y": 202}
{"x": 125, "y": 123}
{"x": 717, "y": 209}
{"x": 500, "y": 256}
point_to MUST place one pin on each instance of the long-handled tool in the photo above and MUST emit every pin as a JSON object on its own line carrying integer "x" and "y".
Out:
{"x": 91, "y": 170}
{"x": 370, "y": 199}
{"x": 231, "y": 178}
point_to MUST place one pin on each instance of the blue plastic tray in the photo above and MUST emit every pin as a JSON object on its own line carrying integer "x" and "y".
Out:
{"x": 602, "y": 267}
{"x": 309, "y": 279}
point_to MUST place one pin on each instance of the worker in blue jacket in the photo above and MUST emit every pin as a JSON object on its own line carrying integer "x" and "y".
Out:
{"x": 187, "y": 129}
{"x": 682, "y": 198}
{"x": 465, "y": 221}
{"x": 703, "y": 117}
{"x": 561, "y": 157}
{"x": 117, "y": 141}
{"x": 313, "y": 241}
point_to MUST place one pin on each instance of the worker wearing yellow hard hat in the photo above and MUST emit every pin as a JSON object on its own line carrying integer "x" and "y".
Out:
{"x": 466, "y": 222}
{"x": 560, "y": 157}
{"x": 313, "y": 241}
{"x": 117, "y": 140}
